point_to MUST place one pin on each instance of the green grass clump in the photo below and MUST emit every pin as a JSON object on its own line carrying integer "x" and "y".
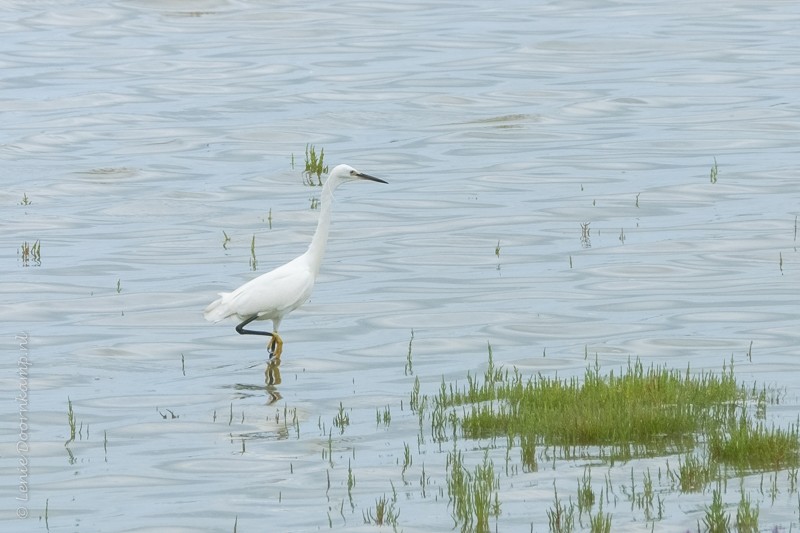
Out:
{"x": 752, "y": 446}
{"x": 561, "y": 518}
{"x": 315, "y": 166}
{"x": 342, "y": 419}
{"x": 716, "y": 520}
{"x": 634, "y": 412}
{"x": 600, "y": 523}
{"x": 473, "y": 495}
{"x": 586, "y": 495}
{"x": 746, "y": 515}
{"x": 384, "y": 513}
{"x": 707, "y": 425}
{"x": 30, "y": 253}
{"x": 654, "y": 407}
{"x": 694, "y": 473}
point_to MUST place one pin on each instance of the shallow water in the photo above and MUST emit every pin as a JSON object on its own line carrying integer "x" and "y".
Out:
{"x": 141, "y": 131}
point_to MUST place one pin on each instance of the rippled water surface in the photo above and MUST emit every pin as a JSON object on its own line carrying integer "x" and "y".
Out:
{"x": 550, "y": 193}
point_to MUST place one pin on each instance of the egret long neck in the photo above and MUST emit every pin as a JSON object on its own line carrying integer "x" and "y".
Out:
{"x": 316, "y": 250}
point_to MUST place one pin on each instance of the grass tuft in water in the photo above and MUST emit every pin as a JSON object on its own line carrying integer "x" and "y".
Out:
{"x": 748, "y": 445}
{"x": 645, "y": 500}
{"x": 694, "y": 473}
{"x": 527, "y": 445}
{"x": 586, "y": 495}
{"x": 315, "y": 166}
{"x": 384, "y": 512}
{"x": 70, "y": 421}
{"x": 714, "y": 171}
{"x": 408, "y": 459}
{"x": 253, "y": 260}
{"x": 746, "y": 516}
{"x": 414, "y": 400}
{"x": 600, "y": 522}
{"x": 25, "y": 200}
{"x": 342, "y": 419}
{"x": 586, "y": 241}
{"x": 561, "y": 518}
{"x": 424, "y": 479}
{"x": 409, "y": 368}
{"x": 473, "y": 494}
{"x": 384, "y": 417}
{"x": 716, "y": 520}
{"x": 351, "y": 483}
{"x": 30, "y": 253}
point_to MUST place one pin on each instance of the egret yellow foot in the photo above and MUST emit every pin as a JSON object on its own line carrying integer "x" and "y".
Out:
{"x": 275, "y": 346}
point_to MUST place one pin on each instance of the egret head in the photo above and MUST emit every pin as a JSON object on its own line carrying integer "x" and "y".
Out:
{"x": 344, "y": 173}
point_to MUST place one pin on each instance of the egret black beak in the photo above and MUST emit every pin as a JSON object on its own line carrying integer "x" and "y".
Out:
{"x": 370, "y": 178}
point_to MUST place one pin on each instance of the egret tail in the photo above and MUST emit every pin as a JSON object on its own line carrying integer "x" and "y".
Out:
{"x": 220, "y": 308}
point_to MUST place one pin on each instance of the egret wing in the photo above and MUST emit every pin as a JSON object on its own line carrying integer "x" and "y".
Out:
{"x": 275, "y": 293}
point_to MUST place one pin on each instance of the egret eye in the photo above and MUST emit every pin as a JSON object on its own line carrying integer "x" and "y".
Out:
{"x": 352, "y": 172}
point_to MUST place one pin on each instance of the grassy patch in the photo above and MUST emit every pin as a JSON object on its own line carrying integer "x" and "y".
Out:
{"x": 635, "y": 412}
{"x": 752, "y": 446}
{"x": 707, "y": 425}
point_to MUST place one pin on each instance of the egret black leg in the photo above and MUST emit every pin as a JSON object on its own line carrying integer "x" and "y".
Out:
{"x": 274, "y": 346}
{"x": 241, "y": 331}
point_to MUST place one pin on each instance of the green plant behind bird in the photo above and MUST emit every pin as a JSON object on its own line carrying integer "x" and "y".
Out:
{"x": 315, "y": 166}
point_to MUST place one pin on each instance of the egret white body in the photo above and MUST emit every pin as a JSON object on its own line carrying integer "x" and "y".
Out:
{"x": 274, "y": 295}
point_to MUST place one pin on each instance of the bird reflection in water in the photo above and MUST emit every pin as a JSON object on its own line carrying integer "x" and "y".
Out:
{"x": 272, "y": 374}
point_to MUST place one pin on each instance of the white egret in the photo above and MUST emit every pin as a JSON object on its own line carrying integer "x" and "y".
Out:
{"x": 273, "y": 295}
